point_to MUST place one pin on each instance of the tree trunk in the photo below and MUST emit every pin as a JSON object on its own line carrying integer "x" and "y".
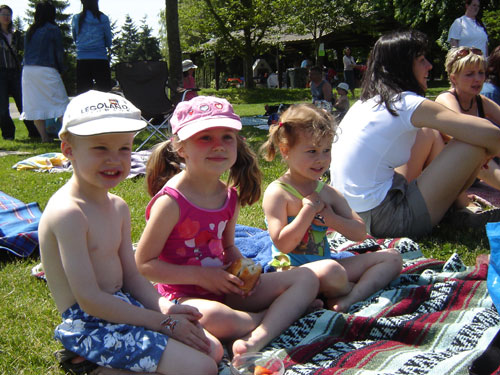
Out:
{"x": 248, "y": 60}
{"x": 216, "y": 71}
{"x": 174, "y": 50}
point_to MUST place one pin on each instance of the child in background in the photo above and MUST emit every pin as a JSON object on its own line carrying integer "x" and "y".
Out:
{"x": 189, "y": 236}
{"x": 342, "y": 101}
{"x": 299, "y": 208}
{"x": 188, "y": 81}
{"x": 112, "y": 315}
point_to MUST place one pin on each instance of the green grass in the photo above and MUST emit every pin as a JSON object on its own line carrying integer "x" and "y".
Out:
{"x": 27, "y": 310}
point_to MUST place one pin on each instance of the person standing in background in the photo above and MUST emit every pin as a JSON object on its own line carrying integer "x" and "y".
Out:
{"x": 469, "y": 30}
{"x": 44, "y": 94}
{"x": 10, "y": 75}
{"x": 349, "y": 65}
{"x": 92, "y": 34}
{"x": 188, "y": 81}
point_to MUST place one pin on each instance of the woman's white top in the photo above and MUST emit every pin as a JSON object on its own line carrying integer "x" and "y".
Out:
{"x": 468, "y": 33}
{"x": 371, "y": 143}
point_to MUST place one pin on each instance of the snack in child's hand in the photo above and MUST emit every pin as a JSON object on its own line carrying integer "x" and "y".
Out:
{"x": 259, "y": 370}
{"x": 247, "y": 270}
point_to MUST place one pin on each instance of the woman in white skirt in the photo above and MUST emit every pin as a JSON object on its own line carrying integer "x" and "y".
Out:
{"x": 44, "y": 95}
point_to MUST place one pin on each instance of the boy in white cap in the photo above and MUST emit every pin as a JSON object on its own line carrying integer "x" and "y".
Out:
{"x": 112, "y": 316}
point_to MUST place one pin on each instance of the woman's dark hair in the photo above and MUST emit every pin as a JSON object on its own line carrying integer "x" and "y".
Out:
{"x": 45, "y": 12}
{"x": 93, "y": 7}
{"x": 493, "y": 70}
{"x": 390, "y": 67}
{"x": 10, "y": 28}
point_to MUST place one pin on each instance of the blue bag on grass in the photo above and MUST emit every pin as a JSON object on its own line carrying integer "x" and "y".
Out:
{"x": 493, "y": 232}
{"x": 52, "y": 126}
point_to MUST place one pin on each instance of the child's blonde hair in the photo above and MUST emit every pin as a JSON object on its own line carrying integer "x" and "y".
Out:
{"x": 457, "y": 59}
{"x": 296, "y": 120}
{"x": 245, "y": 174}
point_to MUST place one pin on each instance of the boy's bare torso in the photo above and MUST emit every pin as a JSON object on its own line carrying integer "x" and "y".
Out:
{"x": 101, "y": 234}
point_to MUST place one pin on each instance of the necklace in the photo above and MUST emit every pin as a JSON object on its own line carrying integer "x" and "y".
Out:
{"x": 460, "y": 105}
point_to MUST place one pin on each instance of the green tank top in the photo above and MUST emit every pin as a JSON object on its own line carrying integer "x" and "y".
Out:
{"x": 313, "y": 246}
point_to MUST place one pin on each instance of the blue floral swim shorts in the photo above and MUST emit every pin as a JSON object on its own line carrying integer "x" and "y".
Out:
{"x": 118, "y": 346}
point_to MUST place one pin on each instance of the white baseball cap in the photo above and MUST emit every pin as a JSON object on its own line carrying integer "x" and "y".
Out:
{"x": 343, "y": 86}
{"x": 97, "y": 112}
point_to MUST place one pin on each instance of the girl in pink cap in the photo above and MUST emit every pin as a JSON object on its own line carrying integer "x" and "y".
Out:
{"x": 188, "y": 241}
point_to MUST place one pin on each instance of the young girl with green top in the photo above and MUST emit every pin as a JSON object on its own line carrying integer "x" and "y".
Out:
{"x": 299, "y": 208}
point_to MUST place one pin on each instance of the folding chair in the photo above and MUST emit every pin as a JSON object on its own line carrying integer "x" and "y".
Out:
{"x": 144, "y": 83}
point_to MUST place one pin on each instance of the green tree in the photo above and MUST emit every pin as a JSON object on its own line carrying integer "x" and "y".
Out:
{"x": 149, "y": 48}
{"x": 434, "y": 17}
{"x": 491, "y": 20}
{"x": 18, "y": 24}
{"x": 239, "y": 27}
{"x": 319, "y": 17}
{"x": 132, "y": 43}
{"x": 126, "y": 46}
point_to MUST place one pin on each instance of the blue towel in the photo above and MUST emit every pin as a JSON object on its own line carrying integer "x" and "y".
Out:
{"x": 18, "y": 225}
{"x": 256, "y": 244}
{"x": 493, "y": 280}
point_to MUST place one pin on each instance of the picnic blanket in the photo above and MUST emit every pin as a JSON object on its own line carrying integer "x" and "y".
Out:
{"x": 54, "y": 162}
{"x": 436, "y": 318}
{"x": 259, "y": 122}
{"x": 18, "y": 225}
{"x": 51, "y": 162}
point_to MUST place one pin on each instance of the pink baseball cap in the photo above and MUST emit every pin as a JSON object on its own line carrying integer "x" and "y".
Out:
{"x": 201, "y": 113}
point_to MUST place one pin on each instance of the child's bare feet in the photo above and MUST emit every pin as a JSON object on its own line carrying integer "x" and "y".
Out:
{"x": 252, "y": 342}
{"x": 341, "y": 303}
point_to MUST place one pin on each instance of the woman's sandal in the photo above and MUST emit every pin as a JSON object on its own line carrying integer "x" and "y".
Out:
{"x": 472, "y": 218}
{"x": 74, "y": 364}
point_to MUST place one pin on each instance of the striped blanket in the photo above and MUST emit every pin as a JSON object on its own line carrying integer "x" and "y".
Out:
{"x": 436, "y": 318}
{"x": 18, "y": 225}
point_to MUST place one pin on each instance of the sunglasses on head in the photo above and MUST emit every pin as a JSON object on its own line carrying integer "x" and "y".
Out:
{"x": 464, "y": 52}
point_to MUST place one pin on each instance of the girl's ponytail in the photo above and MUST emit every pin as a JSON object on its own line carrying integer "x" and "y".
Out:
{"x": 162, "y": 165}
{"x": 245, "y": 174}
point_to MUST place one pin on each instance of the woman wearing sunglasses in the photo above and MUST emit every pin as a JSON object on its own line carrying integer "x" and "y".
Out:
{"x": 390, "y": 161}
{"x": 466, "y": 68}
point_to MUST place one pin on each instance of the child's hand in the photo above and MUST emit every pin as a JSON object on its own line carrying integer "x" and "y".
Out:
{"x": 191, "y": 313}
{"x": 219, "y": 281}
{"x": 314, "y": 201}
{"x": 187, "y": 332}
